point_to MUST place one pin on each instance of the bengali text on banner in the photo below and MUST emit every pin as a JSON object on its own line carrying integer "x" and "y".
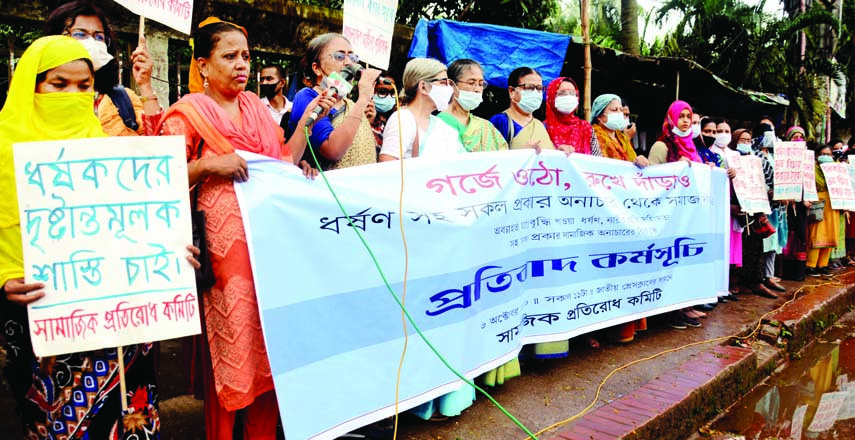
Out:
{"x": 505, "y": 249}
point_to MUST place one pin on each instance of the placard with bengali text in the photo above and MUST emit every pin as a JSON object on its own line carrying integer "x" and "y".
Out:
{"x": 839, "y": 186}
{"x": 750, "y": 185}
{"x": 788, "y": 170}
{"x": 809, "y": 176}
{"x": 105, "y": 224}
{"x": 177, "y": 14}
{"x": 369, "y": 25}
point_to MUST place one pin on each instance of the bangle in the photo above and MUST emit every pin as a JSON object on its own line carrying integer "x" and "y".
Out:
{"x": 145, "y": 99}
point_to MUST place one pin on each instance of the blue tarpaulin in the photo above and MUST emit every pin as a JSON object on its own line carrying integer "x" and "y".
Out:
{"x": 500, "y": 49}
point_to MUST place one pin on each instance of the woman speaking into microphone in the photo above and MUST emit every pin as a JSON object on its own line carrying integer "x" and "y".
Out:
{"x": 343, "y": 138}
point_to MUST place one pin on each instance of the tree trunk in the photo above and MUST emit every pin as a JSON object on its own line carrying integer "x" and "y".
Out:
{"x": 629, "y": 27}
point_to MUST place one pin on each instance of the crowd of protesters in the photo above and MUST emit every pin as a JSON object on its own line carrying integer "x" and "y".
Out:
{"x": 60, "y": 77}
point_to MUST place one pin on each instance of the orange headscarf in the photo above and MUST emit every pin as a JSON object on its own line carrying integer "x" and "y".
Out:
{"x": 196, "y": 80}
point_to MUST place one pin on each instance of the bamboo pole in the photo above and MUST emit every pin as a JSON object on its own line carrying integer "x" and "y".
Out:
{"x": 586, "y": 41}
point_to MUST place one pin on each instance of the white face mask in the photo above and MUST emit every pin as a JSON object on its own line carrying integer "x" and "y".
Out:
{"x": 98, "y": 51}
{"x": 722, "y": 139}
{"x": 469, "y": 100}
{"x": 696, "y": 130}
{"x": 566, "y": 103}
{"x": 441, "y": 95}
{"x": 530, "y": 100}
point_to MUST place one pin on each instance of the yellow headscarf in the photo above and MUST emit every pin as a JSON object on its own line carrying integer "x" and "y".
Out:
{"x": 28, "y": 116}
{"x": 196, "y": 82}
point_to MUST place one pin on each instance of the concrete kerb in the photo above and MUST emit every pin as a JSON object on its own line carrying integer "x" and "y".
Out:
{"x": 723, "y": 374}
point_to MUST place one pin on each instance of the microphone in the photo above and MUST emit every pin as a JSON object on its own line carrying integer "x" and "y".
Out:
{"x": 356, "y": 70}
{"x": 339, "y": 84}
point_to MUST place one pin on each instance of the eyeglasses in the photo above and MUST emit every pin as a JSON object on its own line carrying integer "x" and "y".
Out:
{"x": 566, "y": 93}
{"x": 530, "y": 87}
{"x": 745, "y": 140}
{"x": 382, "y": 92}
{"x": 474, "y": 83}
{"x": 338, "y": 56}
{"x": 443, "y": 81}
{"x": 82, "y": 34}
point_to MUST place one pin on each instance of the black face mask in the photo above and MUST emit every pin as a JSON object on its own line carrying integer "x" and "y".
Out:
{"x": 708, "y": 140}
{"x": 268, "y": 90}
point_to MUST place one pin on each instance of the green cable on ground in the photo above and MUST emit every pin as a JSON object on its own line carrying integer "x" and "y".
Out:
{"x": 398, "y": 301}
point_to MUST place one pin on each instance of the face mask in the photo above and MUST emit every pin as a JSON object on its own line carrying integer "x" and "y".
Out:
{"x": 769, "y": 139}
{"x": 681, "y": 133}
{"x": 708, "y": 140}
{"x": 469, "y": 100}
{"x": 825, "y": 159}
{"x": 696, "y": 130}
{"x": 566, "y": 104}
{"x": 743, "y": 149}
{"x": 722, "y": 139}
{"x": 441, "y": 96}
{"x": 530, "y": 100}
{"x": 384, "y": 103}
{"x": 268, "y": 90}
{"x": 98, "y": 51}
{"x": 616, "y": 121}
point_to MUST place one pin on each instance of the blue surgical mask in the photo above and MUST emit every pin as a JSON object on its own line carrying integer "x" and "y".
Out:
{"x": 825, "y": 159}
{"x": 743, "y": 149}
{"x": 384, "y": 103}
{"x": 530, "y": 100}
{"x": 681, "y": 133}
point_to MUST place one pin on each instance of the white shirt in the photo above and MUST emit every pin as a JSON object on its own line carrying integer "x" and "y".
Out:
{"x": 277, "y": 114}
{"x": 439, "y": 140}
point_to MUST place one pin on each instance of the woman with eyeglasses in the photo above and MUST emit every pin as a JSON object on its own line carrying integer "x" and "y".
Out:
{"x": 608, "y": 121}
{"x": 562, "y": 124}
{"x": 413, "y": 130}
{"x": 517, "y": 124}
{"x": 343, "y": 138}
{"x": 121, "y": 111}
{"x": 477, "y": 134}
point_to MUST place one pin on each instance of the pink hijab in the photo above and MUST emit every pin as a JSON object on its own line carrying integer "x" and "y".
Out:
{"x": 678, "y": 146}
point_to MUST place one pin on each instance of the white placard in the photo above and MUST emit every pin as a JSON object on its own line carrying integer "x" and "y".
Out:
{"x": 788, "y": 170}
{"x": 105, "y": 223}
{"x": 369, "y": 25}
{"x": 839, "y": 186}
{"x": 826, "y": 414}
{"x": 809, "y": 173}
{"x": 177, "y": 14}
{"x": 750, "y": 185}
{"x": 798, "y": 422}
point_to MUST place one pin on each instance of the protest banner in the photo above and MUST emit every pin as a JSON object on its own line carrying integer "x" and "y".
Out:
{"x": 177, "y": 14}
{"x": 369, "y": 25}
{"x": 505, "y": 249}
{"x": 105, "y": 224}
{"x": 839, "y": 186}
{"x": 750, "y": 185}
{"x": 788, "y": 170}
{"x": 809, "y": 175}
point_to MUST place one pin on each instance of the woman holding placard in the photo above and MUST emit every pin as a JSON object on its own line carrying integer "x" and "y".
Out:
{"x": 121, "y": 111}
{"x": 824, "y": 221}
{"x": 77, "y": 395}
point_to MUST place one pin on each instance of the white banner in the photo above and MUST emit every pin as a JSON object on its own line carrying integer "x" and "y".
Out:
{"x": 505, "y": 249}
{"x": 177, "y": 14}
{"x": 369, "y": 25}
{"x": 105, "y": 224}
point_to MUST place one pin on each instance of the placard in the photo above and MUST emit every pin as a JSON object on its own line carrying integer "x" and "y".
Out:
{"x": 177, "y": 14}
{"x": 750, "y": 185}
{"x": 369, "y": 25}
{"x": 105, "y": 224}
{"x": 809, "y": 175}
{"x": 788, "y": 170}
{"x": 839, "y": 186}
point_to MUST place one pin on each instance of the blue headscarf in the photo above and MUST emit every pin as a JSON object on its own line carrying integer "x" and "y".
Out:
{"x": 600, "y": 104}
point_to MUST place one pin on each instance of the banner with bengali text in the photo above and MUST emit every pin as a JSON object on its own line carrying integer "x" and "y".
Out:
{"x": 177, "y": 14}
{"x": 750, "y": 185}
{"x": 789, "y": 157}
{"x": 369, "y": 25}
{"x": 505, "y": 249}
{"x": 105, "y": 224}
{"x": 839, "y": 186}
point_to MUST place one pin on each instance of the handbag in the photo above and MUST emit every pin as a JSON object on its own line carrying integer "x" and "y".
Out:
{"x": 205, "y": 278}
{"x": 815, "y": 212}
{"x": 762, "y": 227}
